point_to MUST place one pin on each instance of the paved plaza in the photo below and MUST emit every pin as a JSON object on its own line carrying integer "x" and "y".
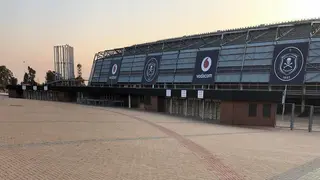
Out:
{"x": 52, "y": 140}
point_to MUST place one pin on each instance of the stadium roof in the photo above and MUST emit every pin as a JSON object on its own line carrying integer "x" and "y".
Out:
{"x": 120, "y": 51}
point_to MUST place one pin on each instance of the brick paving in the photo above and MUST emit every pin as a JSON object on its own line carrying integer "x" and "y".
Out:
{"x": 50, "y": 140}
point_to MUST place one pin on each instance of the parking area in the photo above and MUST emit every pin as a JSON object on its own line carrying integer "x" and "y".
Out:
{"x": 51, "y": 140}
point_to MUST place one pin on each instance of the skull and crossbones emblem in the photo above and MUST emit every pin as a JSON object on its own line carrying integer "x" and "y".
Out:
{"x": 151, "y": 69}
{"x": 288, "y": 64}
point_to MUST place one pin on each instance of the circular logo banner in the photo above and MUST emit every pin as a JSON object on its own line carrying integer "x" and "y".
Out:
{"x": 151, "y": 70}
{"x": 114, "y": 69}
{"x": 288, "y": 64}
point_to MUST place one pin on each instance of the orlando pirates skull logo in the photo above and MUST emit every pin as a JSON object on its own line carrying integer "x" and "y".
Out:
{"x": 288, "y": 64}
{"x": 151, "y": 69}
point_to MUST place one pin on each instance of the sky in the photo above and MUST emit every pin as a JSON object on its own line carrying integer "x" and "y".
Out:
{"x": 30, "y": 28}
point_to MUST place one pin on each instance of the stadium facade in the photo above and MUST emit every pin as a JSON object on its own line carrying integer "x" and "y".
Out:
{"x": 271, "y": 57}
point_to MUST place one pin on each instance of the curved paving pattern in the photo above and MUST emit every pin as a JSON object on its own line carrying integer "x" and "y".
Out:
{"x": 48, "y": 140}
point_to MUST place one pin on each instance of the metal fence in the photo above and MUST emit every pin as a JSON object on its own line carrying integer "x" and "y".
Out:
{"x": 198, "y": 109}
{"x": 298, "y": 117}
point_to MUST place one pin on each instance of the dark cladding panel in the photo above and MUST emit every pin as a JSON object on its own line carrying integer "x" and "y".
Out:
{"x": 289, "y": 62}
{"x": 165, "y": 78}
{"x": 151, "y": 69}
{"x": 114, "y": 71}
{"x": 182, "y": 78}
{"x": 97, "y": 70}
{"x": 135, "y": 78}
{"x": 227, "y": 77}
{"x": 205, "y": 67}
{"x": 255, "y": 77}
{"x": 167, "y": 68}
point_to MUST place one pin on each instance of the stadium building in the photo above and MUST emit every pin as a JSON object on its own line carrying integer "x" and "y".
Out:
{"x": 236, "y": 76}
{"x": 271, "y": 57}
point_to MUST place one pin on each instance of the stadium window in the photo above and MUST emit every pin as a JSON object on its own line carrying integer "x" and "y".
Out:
{"x": 266, "y": 110}
{"x": 253, "y": 110}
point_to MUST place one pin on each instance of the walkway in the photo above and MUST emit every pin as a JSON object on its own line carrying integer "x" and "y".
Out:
{"x": 50, "y": 140}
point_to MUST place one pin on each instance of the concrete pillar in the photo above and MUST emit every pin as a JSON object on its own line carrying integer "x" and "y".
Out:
{"x": 129, "y": 101}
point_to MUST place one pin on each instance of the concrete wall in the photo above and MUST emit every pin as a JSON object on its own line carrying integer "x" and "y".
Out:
{"x": 237, "y": 113}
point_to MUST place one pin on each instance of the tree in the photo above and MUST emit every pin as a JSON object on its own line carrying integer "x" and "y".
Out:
{"x": 25, "y": 78}
{"x": 50, "y": 76}
{"x": 6, "y": 77}
{"x": 14, "y": 81}
{"x": 79, "y": 70}
{"x": 31, "y": 76}
{"x": 79, "y": 79}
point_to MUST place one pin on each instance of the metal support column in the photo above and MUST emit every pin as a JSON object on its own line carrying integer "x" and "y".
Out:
{"x": 202, "y": 114}
{"x": 129, "y": 101}
{"x": 292, "y": 116}
{"x": 186, "y": 107}
{"x": 170, "y": 108}
{"x": 310, "y": 118}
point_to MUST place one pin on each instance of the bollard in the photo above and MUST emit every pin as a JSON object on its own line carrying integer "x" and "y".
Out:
{"x": 310, "y": 118}
{"x": 292, "y": 116}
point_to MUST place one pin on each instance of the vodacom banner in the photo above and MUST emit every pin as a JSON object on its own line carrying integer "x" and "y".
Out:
{"x": 205, "y": 67}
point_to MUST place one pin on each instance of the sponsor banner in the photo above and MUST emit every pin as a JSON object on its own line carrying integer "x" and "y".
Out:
{"x": 205, "y": 67}
{"x": 151, "y": 69}
{"x": 289, "y": 62}
{"x": 114, "y": 71}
